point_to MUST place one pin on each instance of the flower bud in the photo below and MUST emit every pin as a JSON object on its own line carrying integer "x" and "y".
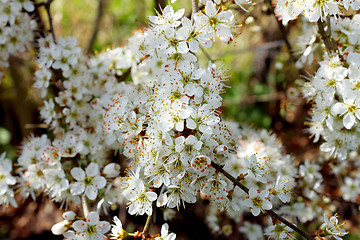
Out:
{"x": 111, "y": 170}
{"x": 60, "y": 227}
{"x": 69, "y": 215}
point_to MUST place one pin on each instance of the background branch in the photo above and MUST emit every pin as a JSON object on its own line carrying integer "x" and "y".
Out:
{"x": 100, "y": 13}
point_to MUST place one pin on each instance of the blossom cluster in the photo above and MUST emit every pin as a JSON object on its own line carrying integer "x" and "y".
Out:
{"x": 152, "y": 103}
{"x": 313, "y": 10}
{"x": 16, "y": 29}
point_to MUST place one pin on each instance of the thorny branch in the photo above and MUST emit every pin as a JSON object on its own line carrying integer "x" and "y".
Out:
{"x": 270, "y": 212}
{"x": 47, "y": 8}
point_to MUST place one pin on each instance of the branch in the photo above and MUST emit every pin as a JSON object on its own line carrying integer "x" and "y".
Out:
{"x": 195, "y": 8}
{"x": 329, "y": 42}
{"x": 282, "y": 29}
{"x": 85, "y": 205}
{"x": 270, "y": 212}
{"x": 99, "y": 15}
{"x": 146, "y": 228}
{"x": 47, "y": 8}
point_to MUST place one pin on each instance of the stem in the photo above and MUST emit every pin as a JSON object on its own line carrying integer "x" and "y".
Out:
{"x": 329, "y": 42}
{"x": 85, "y": 205}
{"x": 47, "y": 8}
{"x": 195, "y": 8}
{"x": 146, "y": 228}
{"x": 236, "y": 182}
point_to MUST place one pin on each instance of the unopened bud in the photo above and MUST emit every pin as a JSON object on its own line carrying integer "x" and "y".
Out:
{"x": 111, "y": 170}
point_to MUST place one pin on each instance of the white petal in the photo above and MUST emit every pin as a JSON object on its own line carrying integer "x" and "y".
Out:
{"x": 349, "y": 120}
{"x": 91, "y": 192}
{"x": 78, "y": 173}
{"x": 77, "y": 188}
{"x": 92, "y": 170}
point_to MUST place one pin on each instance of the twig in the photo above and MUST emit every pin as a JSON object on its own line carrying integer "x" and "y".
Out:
{"x": 125, "y": 75}
{"x": 99, "y": 15}
{"x": 270, "y": 212}
{"x": 85, "y": 205}
{"x": 262, "y": 47}
{"x": 282, "y": 29}
{"x": 146, "y": 227}
{"x": 47, "y": 8}
{"x": 207, "y": 55}
{"x": 195, "y": 8}
{"x": 329, "y": 42}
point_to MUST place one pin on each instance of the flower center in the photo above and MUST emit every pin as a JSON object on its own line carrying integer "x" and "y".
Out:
{"x": 352, "y": 108}
{"x": 257, "y": 202}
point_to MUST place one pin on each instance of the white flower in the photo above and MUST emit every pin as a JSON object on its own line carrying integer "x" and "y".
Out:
{"x": 283, "y": 188}
{"x": 332, "y": 227}
{"x": 252, "y": 231}
{"x": 256, "y": 169}
{"x": 349, "y": 110}
{"x": 88, "y": 182}
{"x": 63, "y": 226}
{"x": 140, "y": 201}
{"x": 117, "y": 231}
{"x": 91, "y": 228}
{"x": 165, "y": 233}
{"x": 278, "y": 231}
{"x": 257, "y": 201}
{"x": 6, "y": 178}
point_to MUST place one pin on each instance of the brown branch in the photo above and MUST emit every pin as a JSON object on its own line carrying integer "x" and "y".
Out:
{"x": 329, "y": 42}
{"x": 270, "y": 212}
{"x": 100, "y": 13}
{"x": 282, "y": 29}
{"x": 195, "y": 8}
{"x": 47, "y": 8}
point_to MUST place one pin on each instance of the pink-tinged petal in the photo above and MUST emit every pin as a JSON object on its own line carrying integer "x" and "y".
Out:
{"x": 92, "y": 170}
{"x": 255, "y": 211}
{"x": 151, "y": 196}
{"x": 338, "y": 108}
{"x": 92, "y": 218}
{"x": 91, "y": 192}
{"x": 79, "y": 226}
{"x": 210, "y": 9}
{"x": 78, "y": 173}
{"x": 77, "y": 188}
{"x": 99, "y": 182}
{"x": 349, "y": 120}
